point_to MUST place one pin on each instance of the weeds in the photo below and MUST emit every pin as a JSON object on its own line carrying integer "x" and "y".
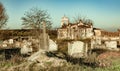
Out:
{"x": 15, "y": 60}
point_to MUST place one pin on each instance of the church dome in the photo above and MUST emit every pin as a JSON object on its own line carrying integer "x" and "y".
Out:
{"x": 64, "y": 20}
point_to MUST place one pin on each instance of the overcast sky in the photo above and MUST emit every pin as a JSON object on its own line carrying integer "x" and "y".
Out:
{"x": 104, "y": 13}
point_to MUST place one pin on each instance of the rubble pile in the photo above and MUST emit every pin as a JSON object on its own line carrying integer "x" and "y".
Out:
{"x": 41, "y": 58}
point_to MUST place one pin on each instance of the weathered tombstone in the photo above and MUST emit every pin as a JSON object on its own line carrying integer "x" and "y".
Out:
{"x": 76, "y": 49}
{"x": 4, "y": 44}
{"x": 10, "y": 41}
{"x": 26, "y": 47}
{"x": 44, "y": 36}
{"x": 52, "y": 45}
{"x": 111, "y": 44}
{"x": 17, "y": 44}
{"x": 42, "y": 42}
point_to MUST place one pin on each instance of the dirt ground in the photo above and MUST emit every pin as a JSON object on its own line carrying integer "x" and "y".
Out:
{"x": 108, "y": 55}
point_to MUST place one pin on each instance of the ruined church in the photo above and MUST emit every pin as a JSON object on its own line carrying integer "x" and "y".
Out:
{"x": 74, "y": 30}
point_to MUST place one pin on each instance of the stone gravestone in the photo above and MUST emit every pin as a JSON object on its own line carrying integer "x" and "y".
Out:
{"x": 5, "y": 43}
{"x": 111, "y": 44}
{"x": 10, "y": 41}
{"x": 76, "y": 49}
{"x": 52, "y": 45}
{"x": 42, "y": 45}
{"x": 26, "y": 47}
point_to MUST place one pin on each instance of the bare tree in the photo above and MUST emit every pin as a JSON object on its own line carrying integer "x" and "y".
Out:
{"x": 3, "y": 16}
{"x": 88, "y": 22}
{"x": 78, "y": 18}
{"x": 33, "y": 19}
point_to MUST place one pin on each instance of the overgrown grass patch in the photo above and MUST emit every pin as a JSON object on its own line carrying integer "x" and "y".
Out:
{"x": 15, "y": 60}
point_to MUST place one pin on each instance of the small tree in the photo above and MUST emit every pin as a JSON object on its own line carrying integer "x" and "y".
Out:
{"x": 33, "y": 19}
{"x": 3, "y": 16}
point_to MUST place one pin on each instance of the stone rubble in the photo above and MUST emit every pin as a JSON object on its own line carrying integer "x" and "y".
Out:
{"x": 42, "y": 59}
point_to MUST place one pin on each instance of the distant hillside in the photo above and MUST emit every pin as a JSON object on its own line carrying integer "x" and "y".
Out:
{"x": 6, "y": 34}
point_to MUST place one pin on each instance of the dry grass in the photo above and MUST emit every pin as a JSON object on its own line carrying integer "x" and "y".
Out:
{"x": 72, "y": 64}
{"x": 15, "y": 60}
